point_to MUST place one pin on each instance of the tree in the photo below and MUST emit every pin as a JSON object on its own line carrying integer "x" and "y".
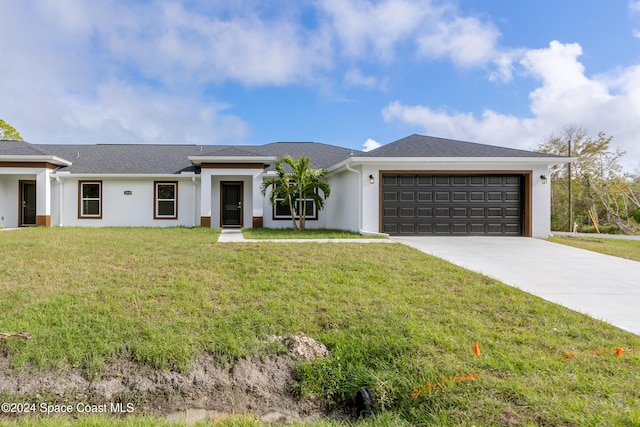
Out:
{"x": 296, "y": 187}
{"x": 8, "y": 132}
{"x": 595, "y": 182}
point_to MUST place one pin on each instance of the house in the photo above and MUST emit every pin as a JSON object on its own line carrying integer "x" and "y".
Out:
{"x": 416, "y": 185}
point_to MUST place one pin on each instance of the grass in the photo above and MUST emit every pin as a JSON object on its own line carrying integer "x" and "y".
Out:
{"x": 629, "y": 249}
{"x": 396, "y": 320}
{"x": 309, "y": 233}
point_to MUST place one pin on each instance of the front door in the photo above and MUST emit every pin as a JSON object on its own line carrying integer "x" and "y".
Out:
{"x": 27, "y": 203}
{"x": 231, "y": 204}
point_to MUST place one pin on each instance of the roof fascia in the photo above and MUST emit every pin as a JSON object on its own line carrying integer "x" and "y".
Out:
{"x": 198, "y": 160}
{"x": 533, "y": 160}
{"x": 67, "y": 174}
{"x": 444, "y": 160}
{"x": 38, "y": 158}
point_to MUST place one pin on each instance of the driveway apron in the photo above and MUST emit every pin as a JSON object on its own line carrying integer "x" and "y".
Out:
{"x": 602, "y": 286}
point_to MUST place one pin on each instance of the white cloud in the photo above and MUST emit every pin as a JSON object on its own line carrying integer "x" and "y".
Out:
{"x": 370, "y": 144}
{"x": 377, "y": 31}
{"x": 608, "y": 103}
{"x": 355, "y": 77}
{"x": 365, "y": 28}
{"x": 122, "y": 113}
{"x": 634, "y": 6}
{"x": 466, "y": 40}
{"x": 174, "y": 43}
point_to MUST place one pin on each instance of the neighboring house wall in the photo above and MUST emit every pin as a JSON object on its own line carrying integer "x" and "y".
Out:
{"x": 119, "y": 208}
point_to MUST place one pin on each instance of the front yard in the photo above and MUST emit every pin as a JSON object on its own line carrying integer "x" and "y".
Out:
{"x": 397, "y": 321}
{"x": 629, "y": 249}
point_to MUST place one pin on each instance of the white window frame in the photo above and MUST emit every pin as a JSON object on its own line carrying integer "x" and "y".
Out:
{"x": 83, "y": 199}
{"x": 157, "y": 200}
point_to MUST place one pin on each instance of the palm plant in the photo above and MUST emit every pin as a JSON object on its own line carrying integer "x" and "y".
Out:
{"x": 297, "y": 186}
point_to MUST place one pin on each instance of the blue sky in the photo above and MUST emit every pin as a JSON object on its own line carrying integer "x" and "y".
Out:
{"x": 354, "y": 73}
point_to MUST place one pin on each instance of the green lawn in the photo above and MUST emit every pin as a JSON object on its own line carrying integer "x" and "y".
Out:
{"x": 629, "y": 249}
{"x": 396, "y": 320}
{"x": 309, "y": 233}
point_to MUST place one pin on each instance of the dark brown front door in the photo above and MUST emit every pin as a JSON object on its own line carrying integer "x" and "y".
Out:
{"x": 231, "y": 204}
{"x": 27, "y": 203}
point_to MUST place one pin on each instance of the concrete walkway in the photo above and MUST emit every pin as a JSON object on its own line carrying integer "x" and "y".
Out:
{"x": 602, "y": 286}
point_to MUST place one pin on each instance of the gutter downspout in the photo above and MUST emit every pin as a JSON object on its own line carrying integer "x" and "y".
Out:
{"x": 61, "y": 201}
{"x": 195, "y": 201}
{"x": 360, "y": 230}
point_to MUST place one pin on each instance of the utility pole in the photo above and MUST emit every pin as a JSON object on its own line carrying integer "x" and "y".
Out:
{"x": 570, "y": 185}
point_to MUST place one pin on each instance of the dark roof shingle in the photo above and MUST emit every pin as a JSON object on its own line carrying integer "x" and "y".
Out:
{"x": 429, "y": 146}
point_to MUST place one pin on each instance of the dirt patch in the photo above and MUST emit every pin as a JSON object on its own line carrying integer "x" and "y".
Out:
{"x": 261, "y": 387}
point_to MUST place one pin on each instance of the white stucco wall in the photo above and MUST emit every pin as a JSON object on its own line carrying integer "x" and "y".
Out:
{"x": 269, "y": 222}
{"x": 343, "y": 208}
{"x": 5, "y": 198}
{"x": 120, "y": 209}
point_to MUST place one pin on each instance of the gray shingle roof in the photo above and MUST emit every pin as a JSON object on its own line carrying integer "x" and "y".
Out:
{"x": 321, "y": 155}
{"x": 19, "y": 148}
{"x": 429, "y": 146}
{"x": 123, "y": 159}
{"x": 172, "y": 159}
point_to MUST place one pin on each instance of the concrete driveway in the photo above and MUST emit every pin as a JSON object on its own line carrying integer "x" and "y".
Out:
{"x": 602, "y": 286}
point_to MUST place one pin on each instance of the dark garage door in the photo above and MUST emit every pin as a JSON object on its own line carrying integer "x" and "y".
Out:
{"x": 452, "y": 204}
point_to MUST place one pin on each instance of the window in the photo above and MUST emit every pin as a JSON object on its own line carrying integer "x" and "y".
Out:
{"x": 165, "y": 200}
{"x": 90, "y": 199}
{"x": 282, "y": 211}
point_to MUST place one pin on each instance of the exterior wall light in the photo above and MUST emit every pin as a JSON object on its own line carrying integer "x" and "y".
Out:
{"x": 543, "y": 178}
{"x": 371, "y": 179}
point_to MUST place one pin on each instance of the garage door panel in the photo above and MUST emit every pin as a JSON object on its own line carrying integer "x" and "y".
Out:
{"x": 389, "y": 213}
{"x": 425, "y": 180}
{"x": 390, "y": 228}
{"x": 407, "y": 181}
{"x": 494, "y": 181}
{"x": 426, "y": 213}
{"x": 425, "y": 196}
{"x": 459, "y": 228}
{"x": 494, "y": 196}
{"x": 513, "y": 196}
{"x": 389, "y": 180}
{"x": 512, "y": 213}
{"x": 442, "y": 212}
{"x": 407, "y": 196}
{"x": 460, "y": 196}
{"x": 407, "y": 228}
{"x": 459, "y": 213}
{"x": 407, "y": 212}
{"x": 452, "y": 204}
{"x": 442, "y": 228}
{"x": 443, "y": 196}
{"x": 425, "y": 228}
{"x": 441, "y": 181}
{"x": 477, "y": 196}
{"x": 512, "y": 229}
{"x": 389, "y": 196}
{"x": 494, "y": 212}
